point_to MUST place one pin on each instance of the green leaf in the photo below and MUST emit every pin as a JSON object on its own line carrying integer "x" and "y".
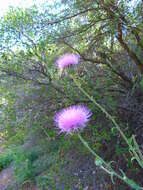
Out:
{"x": 98, "y": 162}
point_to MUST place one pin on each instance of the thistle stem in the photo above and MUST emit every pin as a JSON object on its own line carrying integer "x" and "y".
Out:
{"x": 111, "y": 119}
{"x": 107, "y": 168}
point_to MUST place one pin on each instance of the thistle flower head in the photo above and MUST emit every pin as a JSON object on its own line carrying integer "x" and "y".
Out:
{"x": 72, "y": 119}
{"x": 67, "y": 60}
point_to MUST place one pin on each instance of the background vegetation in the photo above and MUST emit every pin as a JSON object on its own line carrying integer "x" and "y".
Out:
{"x": 108, "y": 35}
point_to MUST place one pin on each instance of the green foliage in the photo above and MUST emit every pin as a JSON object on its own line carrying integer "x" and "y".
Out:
{"x": 32, "y": 91}
{"x": 23, "y": 164}
{"x": 141, "y": 83}
{"x": 5, "y": 159}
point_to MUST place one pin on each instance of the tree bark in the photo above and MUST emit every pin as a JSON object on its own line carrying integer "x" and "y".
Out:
{"x": 129, "y": 51}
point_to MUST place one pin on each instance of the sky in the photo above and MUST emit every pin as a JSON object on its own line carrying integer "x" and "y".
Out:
{"x": 4, "y": 4}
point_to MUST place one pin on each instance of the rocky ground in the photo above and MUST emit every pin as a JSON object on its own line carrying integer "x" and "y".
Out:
{"x": 6, "y": 178}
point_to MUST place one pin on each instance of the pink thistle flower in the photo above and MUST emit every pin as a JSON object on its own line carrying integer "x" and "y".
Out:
{"x": 67, "y": 60}
{"x": 72, "y": 119}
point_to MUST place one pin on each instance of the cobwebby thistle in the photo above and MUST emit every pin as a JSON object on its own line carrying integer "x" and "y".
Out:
{"x": 72, "y": 119}
{"x": 66, "y": 60}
